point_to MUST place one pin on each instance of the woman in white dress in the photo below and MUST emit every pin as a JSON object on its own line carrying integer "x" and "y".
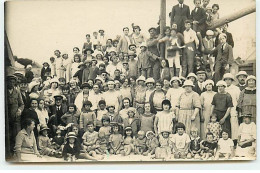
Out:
{"x": 206, "y": 99}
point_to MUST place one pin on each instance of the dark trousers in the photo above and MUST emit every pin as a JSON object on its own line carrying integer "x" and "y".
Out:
{"x": 156, "y": 70}
{"x": 188, "y": 59}
{"x": 220, "y": 70}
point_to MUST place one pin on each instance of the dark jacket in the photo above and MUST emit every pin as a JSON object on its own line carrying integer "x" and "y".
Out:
{"x": 43, "y": 73}
{"x": 75, "y": 151}
{"x": 56, "y": 115}
{"x": 29, "y": 76}
{"x": 179, "y": 15}
{"x": 197, "y": 89}
{"x": 226, "y": 55}
{"x": 201, "y": 17}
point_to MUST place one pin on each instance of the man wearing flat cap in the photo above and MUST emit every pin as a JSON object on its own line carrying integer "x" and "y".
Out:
{"x": 14, "y": 108}
{"x": 198, "y": 86}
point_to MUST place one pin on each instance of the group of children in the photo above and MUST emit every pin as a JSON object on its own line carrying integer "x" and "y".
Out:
{"x": 169, "y": 141}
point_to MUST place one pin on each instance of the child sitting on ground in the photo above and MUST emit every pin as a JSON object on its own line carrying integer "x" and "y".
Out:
{"x": 225, "y": 146}
{"x": 58, "y": 141}
{"x": 152, "y": 143}
{"x": 102, "y": 142}
{"x": 164, "y": 151}
{"x": 71, "y": 150}
{"x": 214, "y": 127}
{"x": 44, "y": 142}
{"x": 90, "y": 138}
{"x": 208, "y": 147}
{"x": 194, "y": 149}
{"x": 140, "y": 143}
{"x": 116, "y": 141}
{"x": 128, "y": 141}
{"x": 181, "y": 142}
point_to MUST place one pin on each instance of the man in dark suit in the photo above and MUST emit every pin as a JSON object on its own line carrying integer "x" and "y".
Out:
{"x": 57, "y": 111}
{"x": 198, "y": 86}
{"x": 199, "y": 17}
{"x": 224, "y": 58}
{"x": 179, "y": 14}
{"x": 25, "y": 95}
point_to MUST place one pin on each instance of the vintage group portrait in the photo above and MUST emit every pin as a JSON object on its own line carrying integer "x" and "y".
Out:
{"x": 117, "y": 81}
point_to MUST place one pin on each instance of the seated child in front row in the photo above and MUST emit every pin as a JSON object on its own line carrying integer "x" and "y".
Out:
{"x": 140, "y": 143}
{"x": 208, "y": 147}
{"x": 128, "y": 141}
{"x": 194, "y": 149}
{"x": 246, "y": 137}
{"x": 71, "y": 150}
{"x": 181, "y": 142}
{"x": 116, "y": 141}
{"x": 44, "y": 142}
{"x": 225, "y": 146}
{"x": 90, "y": 138}
{"x": 152, "y": 143}
{"x": 164, "y": 151}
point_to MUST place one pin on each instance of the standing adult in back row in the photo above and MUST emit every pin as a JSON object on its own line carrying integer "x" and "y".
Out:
{"x": 179, "y": 14}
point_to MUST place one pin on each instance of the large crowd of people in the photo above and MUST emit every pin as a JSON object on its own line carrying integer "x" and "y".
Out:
{"x": 167, "y": 96}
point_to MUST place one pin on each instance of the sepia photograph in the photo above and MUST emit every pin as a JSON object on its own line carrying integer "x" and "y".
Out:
{"x": 130, "y": 81}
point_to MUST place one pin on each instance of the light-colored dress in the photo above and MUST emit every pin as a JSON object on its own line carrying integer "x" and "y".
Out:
{"x": 234, "y": 91}
{"x": 74, "y": 68}
{"x": 246, "y": 131}
{"x": 206, "y": 99}
{"x": 165, "y": 122}
{"x": 112, "y": 97}
{"x": 173, "y": 94}
{"x": 187, "y": 104}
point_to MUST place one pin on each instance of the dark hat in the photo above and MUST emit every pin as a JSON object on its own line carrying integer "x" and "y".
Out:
{"x": 58, "y": 97}
{"x": 84, "y": 85}
{"x": 136, "y": 26}
{"x": 101, "y": 30}
{"x": 200, "y": 72}
{"x": 103, "y": 71}
{"x": 92, "y": 51}
{"x": 66, "y": 87}
{"x": 131, "y": 45}
{"x": 188, "y": 21}
{"x": 10, "y": 77}
{"x": 152, "y": 29}
{"x": 23, "y": 80}
{"x": 45, "y": 63}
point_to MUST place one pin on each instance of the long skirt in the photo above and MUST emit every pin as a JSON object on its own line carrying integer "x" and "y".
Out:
{"x": 227, "y": 124}
{"x": 185, "y": 118}
{"x": 234, "y": 123}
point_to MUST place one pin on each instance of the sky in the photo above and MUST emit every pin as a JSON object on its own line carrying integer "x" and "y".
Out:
{"x": 36, "y": 28}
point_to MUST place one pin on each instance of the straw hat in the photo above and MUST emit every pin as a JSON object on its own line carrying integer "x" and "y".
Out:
{"x": 175, "y": 78}
{"x": 188, "y": 83}
{"x": 71, "y": 135}
{"x": 228, "y": 76}
{"x": 44, "y": 127}
{"x": 150, "y": 80}
{"x": 221, "y": 83}
{"x": 208, "y": 82}
{"x": 241, "y": 73}
{"x": 192, "y": 75}
{"x": 141, "y": 78}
